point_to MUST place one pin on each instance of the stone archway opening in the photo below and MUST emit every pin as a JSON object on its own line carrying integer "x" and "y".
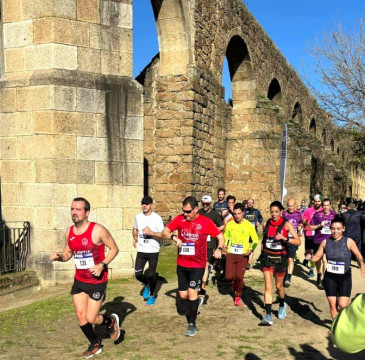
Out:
{"x": 313, "y": 126}
{"x": 324, "y": 137}
{"x": 274, "y": 92}
{"x": 297, "y": 115}
{"x": 332, "y": 145}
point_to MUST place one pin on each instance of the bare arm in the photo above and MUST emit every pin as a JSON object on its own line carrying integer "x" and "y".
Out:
{"x": 66, "y": 254}
{"x": 320, "y": 252}
{"x": 295, "y": 240}
{"x": 218, "y": 253}
{"x": 148, "y": 231}
{"x": 166, "y": 233}
{"x": 353, "y": 247}
{"x": 135, "y": 236}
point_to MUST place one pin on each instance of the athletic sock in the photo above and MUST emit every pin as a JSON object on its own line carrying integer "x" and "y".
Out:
{"x": 194, "y": 306}
{"x": 152, "y": 283}
{"x": 288, "y": 276}
{"x": 268, "y": 309}
{"x": 88, "y": 331}
{"x": 319, "y": 276}
{"x": 281, "y": 302}
{"x": 107, "y": 320}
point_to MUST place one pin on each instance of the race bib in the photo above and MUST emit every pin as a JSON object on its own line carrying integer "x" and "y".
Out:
{"x": 84, "y": 261}
{"x": 312, "y": 232}
{"x": 336, "y": 267}
{"x": 273, "y": 244}
{"x": 187, "y": 249}
{"x": 326, "y": 230}
{"x": 209, "y": 238}
{"x": 236, "y": 249}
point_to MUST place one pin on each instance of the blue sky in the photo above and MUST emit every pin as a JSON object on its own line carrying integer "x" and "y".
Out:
{"x": 292, "y": 24}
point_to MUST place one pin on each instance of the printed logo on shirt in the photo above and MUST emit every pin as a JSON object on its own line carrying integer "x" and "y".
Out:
{"x": 96, "y": 295}
{"x": 198, "y": 226}
{"x": 72, "y": 238}
{"x": 84, "y": 241}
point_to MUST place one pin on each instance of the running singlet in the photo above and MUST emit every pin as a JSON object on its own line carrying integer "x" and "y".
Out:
{"x": 307, "y": 216}
{"x": 294, "y": 218}
{"x": 324, "y": 232}
{"x": 271, "y": 245}
{"x": 193, "y": 234}
{"x": 86, "y": 255}
{"x": 338, "y": 256}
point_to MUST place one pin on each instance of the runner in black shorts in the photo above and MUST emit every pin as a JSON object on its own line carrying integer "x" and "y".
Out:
{"x": 337, "y": 278}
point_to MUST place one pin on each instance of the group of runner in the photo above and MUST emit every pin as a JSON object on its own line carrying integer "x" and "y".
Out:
{"x": 225, "y": 229}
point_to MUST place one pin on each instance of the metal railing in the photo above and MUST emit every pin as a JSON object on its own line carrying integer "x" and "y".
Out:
{"x": 14, "y": 246}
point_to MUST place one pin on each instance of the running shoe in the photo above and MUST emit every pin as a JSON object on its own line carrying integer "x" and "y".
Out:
{"x": 201, "y": 300}
{"x": 248, "y": 267}
{"x": 282, "y": 312}
{"x": 237, "y": 301}
{"x": 267, "y": 320}
{"x": 146, "y": 292}
{"x": 305, "y": 262}
{"x": 93, "y": 350}
{"x": 311, "y": 272}
{"x": 320, "y": 285}
{"x": 151, "y": 301}
{"x": 287, "y": 282}
{"x": 191, "y": 330}
{"x": 114, "y": 330}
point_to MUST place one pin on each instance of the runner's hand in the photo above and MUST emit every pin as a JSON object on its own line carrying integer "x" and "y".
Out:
{"x": 147, "y": 231}
{"x": 54, "y": 256}
{"x": 280, "y": 237}
{"x": 363, "y": 272}
{"x": 96, "y": 270}
{"x": 178, "y": 242}
{"x": 217, "y": 254}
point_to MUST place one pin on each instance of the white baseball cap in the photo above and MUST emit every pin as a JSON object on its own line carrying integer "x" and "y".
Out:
{"x": 207, "y": 199}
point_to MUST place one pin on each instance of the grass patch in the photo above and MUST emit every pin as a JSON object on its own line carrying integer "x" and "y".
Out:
{"x": 242, "y": 350}
{"x": 167, "y": 262}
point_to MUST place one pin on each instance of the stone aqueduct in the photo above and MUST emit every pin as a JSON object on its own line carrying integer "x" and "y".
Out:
{"x": 74, "y": 122}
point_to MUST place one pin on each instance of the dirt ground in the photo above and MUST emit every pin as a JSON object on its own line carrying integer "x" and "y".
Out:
{"x": 224, "y": 331}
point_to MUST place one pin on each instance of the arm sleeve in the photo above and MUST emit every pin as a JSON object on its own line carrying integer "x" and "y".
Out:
{"x": 160, "y": 226}
{"x": 135, "y": 223}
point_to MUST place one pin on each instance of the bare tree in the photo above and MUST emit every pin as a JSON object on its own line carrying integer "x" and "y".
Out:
{"x": 339, "y": 61}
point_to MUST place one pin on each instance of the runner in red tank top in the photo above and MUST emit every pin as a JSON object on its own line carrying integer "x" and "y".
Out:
{"x": 193, "y": 230}
{"x": 86, "y": 241}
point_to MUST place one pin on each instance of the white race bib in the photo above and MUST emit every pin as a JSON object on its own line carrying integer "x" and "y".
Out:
{"x": 236, "y": 249}
{"x": 209, "y": 238}
{"x": 336, "y": 267}
{"x": 326, "y": 230}
{"x": 84, "y": 261}
{"x": 187, "y": 249}
{"x": 273, "y": 244}
{"x": 313, "y": 232}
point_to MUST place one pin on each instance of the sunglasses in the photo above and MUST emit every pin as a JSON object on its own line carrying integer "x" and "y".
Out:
{"x": 187, "y": 211}
{"x": 206, "y": 204}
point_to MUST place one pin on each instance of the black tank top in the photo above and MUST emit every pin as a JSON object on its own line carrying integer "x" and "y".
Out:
{"x": 337, "y": 251}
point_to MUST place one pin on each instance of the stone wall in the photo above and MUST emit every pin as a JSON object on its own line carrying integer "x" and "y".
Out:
{"x": 71, "y": 123}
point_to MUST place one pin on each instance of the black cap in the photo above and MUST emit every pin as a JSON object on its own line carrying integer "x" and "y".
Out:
{"x": 147, "y": 200}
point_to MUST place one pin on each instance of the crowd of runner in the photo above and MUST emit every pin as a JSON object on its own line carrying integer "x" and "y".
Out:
{"x": 223, "y": 236}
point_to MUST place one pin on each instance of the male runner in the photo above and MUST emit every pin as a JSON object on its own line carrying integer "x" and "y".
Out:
{"x": 208, "y": 211}
{"x": 146, "y": 232}
{"x": 294, "y": 216}
{"x": 193, "y": 230}
{"x": 86, "y": 242}
{"x": 308, "y": 235}
{"x": 255, "y": 218}
{"x": 321, "y": 224}
{"x": 221, "y": 204}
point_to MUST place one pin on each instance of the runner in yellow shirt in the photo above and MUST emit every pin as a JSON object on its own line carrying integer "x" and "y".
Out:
{"x": 238, "y": 248}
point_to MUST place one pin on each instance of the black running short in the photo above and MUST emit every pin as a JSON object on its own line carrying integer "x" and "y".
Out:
{"x": 337, "y": 284}
{"x": 316, "y": 247}
{"x": 95, "y": 291}
{"x": 189, "y": 277}
{"x": 292, "y": 249}
{"x": 308, "y": 242}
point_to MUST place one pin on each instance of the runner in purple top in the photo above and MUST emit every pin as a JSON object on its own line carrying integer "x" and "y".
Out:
{"x": 294, "y": 216}
{"x": 321, "y": 224}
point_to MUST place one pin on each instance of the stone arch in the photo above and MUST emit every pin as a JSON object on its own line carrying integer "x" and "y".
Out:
{"x": 241, "y": 73}
{"x": 297, "y": 114}
{"x": 324, "y": 136}
{"x": 313, "y": 126}
{"x": 332, "y": 145}
{"x": 338, "y": 150}
{"x": 173, "y": 29}
{"x": 274, "y": 91}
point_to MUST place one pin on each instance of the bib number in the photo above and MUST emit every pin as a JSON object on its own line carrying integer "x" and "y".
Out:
{"x": 273, "y": 244}
{"x": 326, "y": 230}
{"x": 236, "y": 249}
{"x": 336, "y": 267}
{"x": 187, "y": 249}
{"x": 84, "y": 261}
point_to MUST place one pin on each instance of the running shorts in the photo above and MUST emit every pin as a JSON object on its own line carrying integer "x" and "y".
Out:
{"x": 189, "y": 277}
{"x": 308, "y": 242}
{"x": 292, "y": 249}
{"x": 337, "y": 284}
{"x": 95, "y": 291}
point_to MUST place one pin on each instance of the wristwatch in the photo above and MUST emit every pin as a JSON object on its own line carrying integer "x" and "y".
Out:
{"x": 104, "y": 265}
{"x": 220, "y": 248}
{"x": 172, "y": 237}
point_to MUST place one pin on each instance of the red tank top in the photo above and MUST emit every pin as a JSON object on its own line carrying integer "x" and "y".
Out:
{"x": 86, "y": 255}
{"x": 271, "y": 245}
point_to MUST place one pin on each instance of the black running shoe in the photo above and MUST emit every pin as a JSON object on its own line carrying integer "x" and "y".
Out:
{"x": 93, "y": 350}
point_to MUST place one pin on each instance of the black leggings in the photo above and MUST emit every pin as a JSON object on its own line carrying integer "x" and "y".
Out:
{"x": 149, "y": 277}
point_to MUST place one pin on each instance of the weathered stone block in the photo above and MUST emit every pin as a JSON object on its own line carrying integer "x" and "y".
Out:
{"x": 92, "y": 148}
{"x": 64, "y": 98}
{"x": 14, "y": 60}
{"x": 34, "y": 98}
{"x": 116, "y": 14}
{"x": 64, "y": 194}
{"x": 12, "y": 124}
{"x": 74, "y": 123}
{"x": 53, "y": 243}
{"x": 62, "y": 218}
{"x": 18, "y": 34}
{"x": 43, "y": 122}
{"x": 48, "y": 8}
{"x": 8, "y": 148}
{"x": 66, "y": 171}
{"x": 88, "y": 10}
{"x": 35, "y": 147}
{"x": 16, "y": 171}
{"x": 18, "y": 213}
{"x": 126, "y": 196}
{"x": 64, "y": 147}
{"x": 44, "y": 218}
{"x": 95, "y": 194}
{"x": 45, "y": 170}
{"x": 89, "y": 60}
{"x": 132, "y": 151}
{"x": 37, "y": 194}
{"x": 134, "y": 128}
{"x": 90, "y": 100}
{"x": 11, "y": 11}
{"x": 128, "y": 216}
{"x": 133, "y": 174}
{"x": 71, "y": 32}
{"x": 85, "y": 172}
{"x": 126, "y": 64}
{"x": 65, "y": 57}
{"x": 113, "y": 222}
{"x": 7, "y": 101}
{"x": 108, "y": 172}
{"x": 44, "y": 30}
{"x": 110, "y": 63}
{"x": 9, "y": 194}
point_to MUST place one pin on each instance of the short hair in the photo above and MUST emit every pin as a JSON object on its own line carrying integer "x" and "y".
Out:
{"x": 191, "y": 201}
{"x": 339, "y": 219}
{"x": 239, "y": 206}
{"x": 87, "y": 206}
{"x": 327, "y": 199}
{"x": 352, "y": 206}
{"x": 230, "y": 197}
{"x": 244, "y": 202}
{"x": 221, "y": 189}
{"x": 277, "y": 204}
